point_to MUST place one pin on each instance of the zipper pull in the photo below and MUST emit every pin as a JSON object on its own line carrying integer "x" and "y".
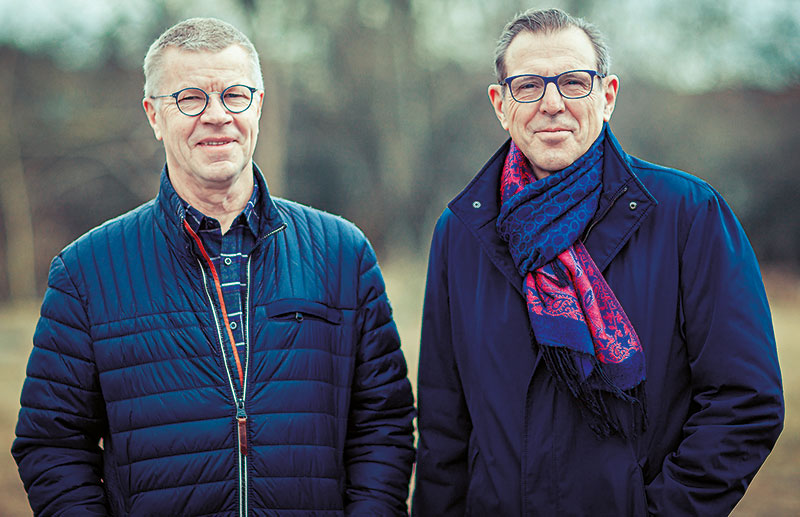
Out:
{"x": 241, "y": 418}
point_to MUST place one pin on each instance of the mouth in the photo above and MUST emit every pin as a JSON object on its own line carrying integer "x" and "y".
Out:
{"x": 553, "y": 130}
{"x": 215, "y": 142}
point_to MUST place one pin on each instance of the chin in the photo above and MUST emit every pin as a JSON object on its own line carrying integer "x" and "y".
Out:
{"x": 554, "y": 164}
{"x": 222, "y": 171}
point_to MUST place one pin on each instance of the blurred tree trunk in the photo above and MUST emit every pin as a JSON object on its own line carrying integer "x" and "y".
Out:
{"x": 14, "y": 202}
{"x": 272, "y": 145}
{"x": 403, "y": 121}
{"x": 270, "y": 154}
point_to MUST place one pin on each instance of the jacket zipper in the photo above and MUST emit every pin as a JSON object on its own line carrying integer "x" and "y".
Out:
{"x": 599, "y": 218}
{"x": 241, "y": 419}
{"x": 241, "y": 413}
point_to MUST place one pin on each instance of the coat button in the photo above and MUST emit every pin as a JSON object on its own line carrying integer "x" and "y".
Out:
{"x": 233, "y": 325}
{"x": 633, "y": 205}
{"x": 228, "y": 261}
{"x": 476, "y": 204}
{"x": 298, "y": 316}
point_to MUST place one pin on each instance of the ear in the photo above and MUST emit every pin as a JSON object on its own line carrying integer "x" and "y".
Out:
{"x": 150, "y": 110}
{"x": 610, "y": 89}
{"x": 259, "y": 103}
{"x": 497, "y": 98}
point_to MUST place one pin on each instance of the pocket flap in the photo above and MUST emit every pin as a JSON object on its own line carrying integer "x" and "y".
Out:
{"x": 292, "y": 306}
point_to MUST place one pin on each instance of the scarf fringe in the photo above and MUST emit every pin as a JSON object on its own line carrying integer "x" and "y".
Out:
{"x": 595, "y": 407}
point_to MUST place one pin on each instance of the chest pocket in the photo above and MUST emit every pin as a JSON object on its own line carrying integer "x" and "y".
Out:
{"x": 299, "y": 310}
{"x": 298, "y": 323}
{"x": 307, "y": 368}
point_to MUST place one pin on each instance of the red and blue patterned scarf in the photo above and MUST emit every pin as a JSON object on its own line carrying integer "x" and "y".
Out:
{"x": 588, "y": 343}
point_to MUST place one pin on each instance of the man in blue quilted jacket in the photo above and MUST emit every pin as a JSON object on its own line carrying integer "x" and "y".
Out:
{"x": 215, "y": 351}
{"x": 596, "y": 339}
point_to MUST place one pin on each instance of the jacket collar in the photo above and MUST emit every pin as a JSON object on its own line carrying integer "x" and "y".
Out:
{"x": 624, "y": 204}
{"x": 172, "y": 212}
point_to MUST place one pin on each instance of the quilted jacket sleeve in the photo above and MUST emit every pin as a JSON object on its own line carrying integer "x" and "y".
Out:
{"x": 444, "y": 422}
{"x": 736, "y": 383}
{"x": 62, "y": 412}
{"x": 379, "y": 449}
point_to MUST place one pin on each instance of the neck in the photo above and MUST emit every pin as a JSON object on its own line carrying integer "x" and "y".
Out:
{"x": 223, "y": 202}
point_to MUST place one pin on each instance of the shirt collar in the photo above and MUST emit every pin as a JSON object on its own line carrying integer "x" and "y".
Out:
{"x": 248, "y": 217}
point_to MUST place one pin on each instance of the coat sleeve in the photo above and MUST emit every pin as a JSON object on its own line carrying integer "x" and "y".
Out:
{"x": 444, "y": 424}
{"x": 379, "y": 448}
{"x": 62, "y": 413}
{"x": 737, "y": 397}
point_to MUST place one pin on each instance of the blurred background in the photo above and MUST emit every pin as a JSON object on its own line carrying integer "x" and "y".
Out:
{"x": 377, "y": 110}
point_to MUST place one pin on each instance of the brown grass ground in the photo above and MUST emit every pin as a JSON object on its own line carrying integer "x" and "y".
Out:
{"x": 775, "y": 491}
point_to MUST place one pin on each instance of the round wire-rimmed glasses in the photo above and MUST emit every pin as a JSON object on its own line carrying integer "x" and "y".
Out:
{"x": 573, "y": 84}
{"x": 194, "y": 101}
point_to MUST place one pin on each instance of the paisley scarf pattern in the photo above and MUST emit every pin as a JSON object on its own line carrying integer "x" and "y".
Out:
{"x": 588, "y": 343}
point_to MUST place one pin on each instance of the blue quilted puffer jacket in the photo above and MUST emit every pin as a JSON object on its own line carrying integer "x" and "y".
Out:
{"x": 129, "y": 407}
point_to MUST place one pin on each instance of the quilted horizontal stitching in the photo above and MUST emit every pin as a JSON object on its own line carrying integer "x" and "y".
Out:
{"x": 228, "y": 450}
{"x": 211, "y": 354}
{"x": 43, "y": 349}
{"x": 142, "y": 332}
{"x": 171, "y": 487}
{"x": 63, "y": 323}
{"x": 60, "y": 383}
{"x": 158, "y": 393}
{"x": 140, "y": 316}
{"x": 292, "y": 349}
{"x": 377, "y": 329}
{"x": 59, "y": 413}
{"x": 176, "y": 422}
{"x": 193, "y": 484}
{"x": 251, "y": 415}
{"x": 271, "y": 381}
{"x": 315, "y": 445}
{"x": 267, "y": 413}
{"x": 61, "y": 291}
{"x": 192, "y": 388}
{"x": 221, "y": 450}
{"x": 157, "y": 360}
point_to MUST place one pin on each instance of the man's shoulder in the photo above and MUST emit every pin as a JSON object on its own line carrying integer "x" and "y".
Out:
{"x": 446, "y": 221}
{"x": 112, "y": 231}
{"x": 667, "y": 183}
{"x": 450, "y": 231}
{"x": 315, "y": 223}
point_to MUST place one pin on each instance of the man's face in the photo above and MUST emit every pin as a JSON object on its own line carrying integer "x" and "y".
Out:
{"x": 213, "y": 149}
{"x": 553, "y": 132}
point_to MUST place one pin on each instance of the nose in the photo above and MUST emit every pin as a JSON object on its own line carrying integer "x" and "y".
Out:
{"x": 551, "y": 102}
{"x": 215, "y": 112}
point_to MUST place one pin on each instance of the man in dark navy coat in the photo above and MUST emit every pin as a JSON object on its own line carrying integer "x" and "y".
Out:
{"x": 596, "y": 338}
{"x": 234, "y": 352}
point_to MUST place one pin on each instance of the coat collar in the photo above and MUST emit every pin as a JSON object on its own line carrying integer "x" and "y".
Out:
{"x": 624, "y": 204}
{"x": 172, "y": 212}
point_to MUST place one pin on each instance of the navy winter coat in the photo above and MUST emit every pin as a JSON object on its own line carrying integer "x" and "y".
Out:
{"x": 498, "y": 437}
{"x": 128, "y": 349}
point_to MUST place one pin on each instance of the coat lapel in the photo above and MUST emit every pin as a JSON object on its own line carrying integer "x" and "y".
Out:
{"x": 478, "y": 206}
{"x": 624, "y": 204}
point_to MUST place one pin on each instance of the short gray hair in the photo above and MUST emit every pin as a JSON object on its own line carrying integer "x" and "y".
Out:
{"x": 197, "y": 34}
{"x": 549, "y": 21}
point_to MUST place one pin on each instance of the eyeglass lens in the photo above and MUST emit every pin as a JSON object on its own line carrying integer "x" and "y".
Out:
{"x": 193, "y": 101}
{"x": 572, "y": 85}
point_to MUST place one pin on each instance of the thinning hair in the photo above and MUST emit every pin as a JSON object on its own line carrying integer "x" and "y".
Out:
{"x": 197, "y": 34}
{"x": 549, "y": 21}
